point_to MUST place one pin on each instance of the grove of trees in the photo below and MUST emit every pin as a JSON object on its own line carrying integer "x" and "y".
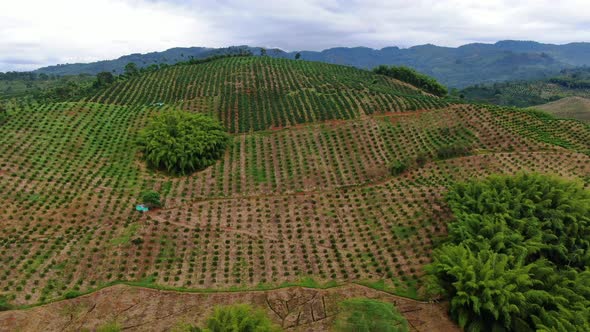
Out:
{"x": 413, "y": 77}
{"x": 517, "y": 255}
{"x": 182, "y": 142}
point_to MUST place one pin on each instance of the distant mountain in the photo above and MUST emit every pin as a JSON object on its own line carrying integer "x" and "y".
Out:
{"x": 455, "y": 67}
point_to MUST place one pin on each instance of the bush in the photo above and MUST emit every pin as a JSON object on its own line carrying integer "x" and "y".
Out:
{"x": 181, "y": 142}
{"x": 72, "y": 294}
{"x": 239, "y": 318}
{"x": 4, "y": 304}
{"x": 369, "y": 316}
{"x": 517, "y": 255}
{"x": 397, "y": 167}
{"x": 414, "y": 78}
{"x": 151, "y": 199}
{"x": 453, "y": 150}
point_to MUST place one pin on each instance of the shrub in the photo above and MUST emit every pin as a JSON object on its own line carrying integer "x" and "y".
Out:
{"x": 4, "y": 304}
{"x": 181, "y": 142}
{"x": 397, "y": 167}
{"x": 453, "y": 150}
{"x": 517, "y": 254}
{"x": 370, "y": 316}
{"x": 239, "y": 318}
{"x": 72, "y": 294}
{"x": 151, "y": 199}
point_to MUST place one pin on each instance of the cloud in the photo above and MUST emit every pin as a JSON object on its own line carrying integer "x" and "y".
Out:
{"x": 38, "y": 32}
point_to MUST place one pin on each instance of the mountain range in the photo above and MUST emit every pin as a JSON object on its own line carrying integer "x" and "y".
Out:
{"x": 455, "y": 67}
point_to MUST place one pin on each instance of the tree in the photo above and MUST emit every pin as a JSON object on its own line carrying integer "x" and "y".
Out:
{"x": 262, "y": 52}
{"x": 369, "y": 316}
{"x": 517, "y": 255}
{"x": 104, "y": 78}
{"x": 414, "y": 78}
{"x": 297, "y": 56}
{"x": 182, "y": 142}
{"x": 151, "y": 199}
{"x": 239, "y": 318}
{"x": 131, "y": 69}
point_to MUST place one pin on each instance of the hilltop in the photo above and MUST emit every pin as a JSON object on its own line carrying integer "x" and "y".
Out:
{"x": 455, "y": 67}
{"x": 309, "y": 193}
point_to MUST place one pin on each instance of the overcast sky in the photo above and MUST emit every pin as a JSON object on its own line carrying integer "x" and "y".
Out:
{"x": 35, "y": 33}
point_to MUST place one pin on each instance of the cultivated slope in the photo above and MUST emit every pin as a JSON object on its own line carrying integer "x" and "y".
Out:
{"x": 570, "y": 107}
{"x": 312, "y": 201}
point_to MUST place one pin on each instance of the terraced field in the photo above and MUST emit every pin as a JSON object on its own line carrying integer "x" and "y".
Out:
{"x": 303, "y": 195}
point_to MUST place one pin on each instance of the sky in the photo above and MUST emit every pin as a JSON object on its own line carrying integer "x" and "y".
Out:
{"x": 37, "y": 33}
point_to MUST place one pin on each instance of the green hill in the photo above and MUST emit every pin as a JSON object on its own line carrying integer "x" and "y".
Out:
{"x": 570, "y": 83}
{"x": 305, "y": 194}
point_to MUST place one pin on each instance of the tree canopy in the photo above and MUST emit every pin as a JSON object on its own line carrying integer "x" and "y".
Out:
{"x": 409, "y": 75}
{"x": 182, "y": 142}
{"x": 517, "y": 255}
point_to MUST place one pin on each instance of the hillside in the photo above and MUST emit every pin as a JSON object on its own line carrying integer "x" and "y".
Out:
{"x": 569, "y": 107}
{"x": 303, "y": 196}
{"x": 568, "y": 84}
{"x": 455, "y": 67}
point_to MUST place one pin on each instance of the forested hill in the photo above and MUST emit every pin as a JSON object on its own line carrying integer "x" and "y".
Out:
{"x": 455, "y": 67}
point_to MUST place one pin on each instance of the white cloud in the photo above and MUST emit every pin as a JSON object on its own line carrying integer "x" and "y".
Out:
{"x": 41, "y": 32}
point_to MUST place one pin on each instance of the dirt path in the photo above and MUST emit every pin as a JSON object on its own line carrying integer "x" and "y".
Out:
{"x": 144, "y": 309}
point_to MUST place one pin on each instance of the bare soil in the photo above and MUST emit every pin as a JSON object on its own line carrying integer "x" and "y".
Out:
{"x": 144, "y": 309}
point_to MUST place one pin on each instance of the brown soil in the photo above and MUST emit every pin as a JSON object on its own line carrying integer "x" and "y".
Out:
{"x": 144, "y": 309}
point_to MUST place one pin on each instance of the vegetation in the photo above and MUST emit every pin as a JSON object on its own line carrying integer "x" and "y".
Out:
{"x": 517, "y": 255}
{"x": 570, "y": 83}
{"x": 248, "y": 93}
{"x": 239, "y": 318}
{"x": 182, "y": 142}
{"x": 409, "y": 75}
{"x": 151, "y": 199}
{"x": 294, "y": 195}
{"x": 368, "y": 315}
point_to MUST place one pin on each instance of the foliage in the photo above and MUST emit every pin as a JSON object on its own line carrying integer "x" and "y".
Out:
{"x": 3, "y": 114}
{"x": 367, "y": 315}
{"x": 409, "y": 75}
{"x": 4, "y": 304}
{"x": 517, "y": 255}
{"x": 453, "y": 150}
{"x": 151, "y": 199}
{"x": 131, "y": 70}
{"x": 104, "y": 79}
{"x": 398, "y": 167}
{"x": 182, "y": 142}
{"x": 239, "y": 318}
{"x": 570, "y": 83}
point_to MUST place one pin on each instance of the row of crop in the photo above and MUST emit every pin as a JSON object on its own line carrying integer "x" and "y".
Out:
{"x": 258, "y": 94}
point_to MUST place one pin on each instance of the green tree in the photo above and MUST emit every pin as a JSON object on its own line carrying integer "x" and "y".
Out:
{"x": 414, "y": 78}
{"x": 517, "y": 255}
{"x": 104, "y": 78}
{"x": 366, "y": 315}
{"x": 182, "y": 142}
{"x": 262, "y": 51}
{"x": 151, "y": 199}
{"x": 239, "y": 318}
{"x": 297, "y": 56}
{"x": 131, "y": 69}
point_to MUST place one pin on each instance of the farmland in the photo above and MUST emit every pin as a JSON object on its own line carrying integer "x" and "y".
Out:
{"x": 303, "y": 192}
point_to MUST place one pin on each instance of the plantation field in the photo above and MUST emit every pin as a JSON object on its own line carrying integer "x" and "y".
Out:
{"x": 304, "y": 191}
